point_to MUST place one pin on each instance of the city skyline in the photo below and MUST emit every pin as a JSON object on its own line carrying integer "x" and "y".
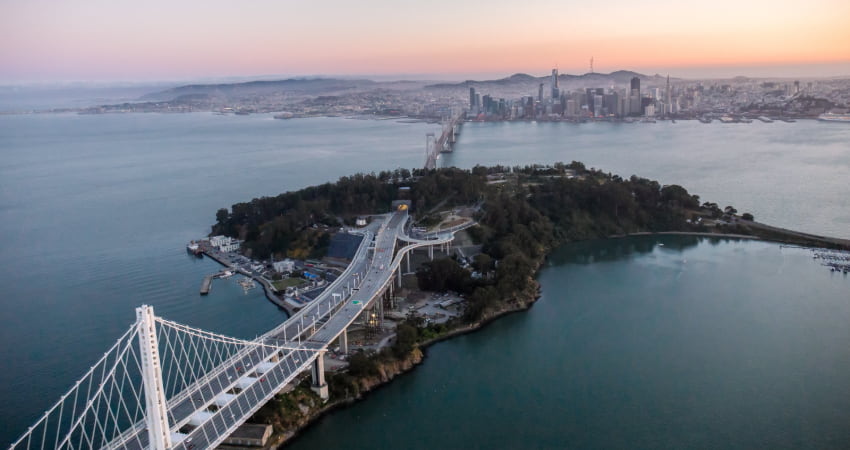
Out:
{"x": 108, "y": 41}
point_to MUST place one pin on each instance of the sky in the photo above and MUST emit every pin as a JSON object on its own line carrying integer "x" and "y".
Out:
{"x": 122, "y": 40}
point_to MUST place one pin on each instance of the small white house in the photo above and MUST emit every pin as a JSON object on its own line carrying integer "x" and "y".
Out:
{"x": 361, "y": 221}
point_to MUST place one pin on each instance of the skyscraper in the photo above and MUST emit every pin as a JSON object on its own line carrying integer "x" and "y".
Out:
{"x": 555, "y": 92}
{"x": 471, "y": 98}
{"x": 635, "y": 86}
{"x": 540, "y": 93}
{"x": 635, "y": 102}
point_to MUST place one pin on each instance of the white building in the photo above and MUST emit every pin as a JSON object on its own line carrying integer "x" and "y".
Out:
{"x": 224, "y": 243}
{"x": 287, "y": 265}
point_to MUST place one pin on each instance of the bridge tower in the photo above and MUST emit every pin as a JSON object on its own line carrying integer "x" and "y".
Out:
{"x": 156, "y": 413}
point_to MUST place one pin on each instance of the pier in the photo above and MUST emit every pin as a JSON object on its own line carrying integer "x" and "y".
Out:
{"x": 206, "y": 285}
{"x": 218, "y": 257}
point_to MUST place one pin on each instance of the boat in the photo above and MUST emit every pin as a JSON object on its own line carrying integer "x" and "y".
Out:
{"x": 834, "y": 117}
{"x": 226, "y": 274}
{"x": 195, "y": 249}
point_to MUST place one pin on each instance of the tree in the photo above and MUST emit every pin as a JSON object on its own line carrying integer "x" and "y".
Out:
{"x": 482, "y": 262}
{"x": 221, "y": 215}
{"x": 359, "y": 364}
{"x": 730, "y": 210}
{"x": 748, "y": 216}
{"x": 405, "y": 339}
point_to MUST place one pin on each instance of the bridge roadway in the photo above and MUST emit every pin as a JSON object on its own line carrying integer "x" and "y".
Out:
{"x": 238, "y": 388}
{"x": 443, "y": 144}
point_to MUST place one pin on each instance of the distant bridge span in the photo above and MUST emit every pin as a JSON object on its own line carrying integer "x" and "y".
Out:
{"x": 444, "y": 143}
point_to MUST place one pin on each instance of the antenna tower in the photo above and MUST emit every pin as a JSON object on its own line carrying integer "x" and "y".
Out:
{"x": 591, "y": 64}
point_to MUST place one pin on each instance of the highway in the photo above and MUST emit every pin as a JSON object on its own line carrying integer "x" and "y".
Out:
{"x": 214, "y": 406}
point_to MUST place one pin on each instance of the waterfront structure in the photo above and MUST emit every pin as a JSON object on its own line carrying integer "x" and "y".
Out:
{"x": 225, "y": 243}
{"x": 165, "y": 385}
{"x": 287, "y": 265}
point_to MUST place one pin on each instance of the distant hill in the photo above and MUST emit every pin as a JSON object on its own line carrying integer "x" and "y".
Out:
{"x": 310, "y": 87}
{"x": 303, "y": 86}
{"x": 522, "y": 80}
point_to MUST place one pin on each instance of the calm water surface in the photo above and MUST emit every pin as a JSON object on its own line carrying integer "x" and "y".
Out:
{"x": 697, "y": 344}
{"x": 95, "y": 212}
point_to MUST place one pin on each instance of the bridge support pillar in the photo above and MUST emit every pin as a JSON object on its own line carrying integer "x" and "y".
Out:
{"x": 399, "y": 277}
{"x": 343, "y": 341}
{"x": 319, "y": 386}
{"x": 431, "y": 252}
{"x": 407, "y": 256}
{"x": 381, "y": 309}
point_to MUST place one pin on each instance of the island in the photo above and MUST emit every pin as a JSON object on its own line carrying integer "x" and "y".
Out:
{"x": 520, "y": 213}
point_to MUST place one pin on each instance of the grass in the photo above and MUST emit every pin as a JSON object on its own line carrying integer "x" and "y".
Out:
{"x": 281, "y": 285}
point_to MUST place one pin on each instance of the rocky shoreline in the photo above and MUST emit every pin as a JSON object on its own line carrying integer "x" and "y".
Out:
{"x": 388, "y": 371}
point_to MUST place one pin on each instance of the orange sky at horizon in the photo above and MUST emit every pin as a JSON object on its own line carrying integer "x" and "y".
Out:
{"x": 99, "y": 39}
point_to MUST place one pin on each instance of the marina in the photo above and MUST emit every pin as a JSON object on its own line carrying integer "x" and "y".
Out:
{"x": 248, "y": 282}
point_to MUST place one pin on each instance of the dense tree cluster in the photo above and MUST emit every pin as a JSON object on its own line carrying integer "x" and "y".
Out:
{"x": 524, "y": 212}
{"x": 548, "y": 205}
{"x": 275, "y": 224}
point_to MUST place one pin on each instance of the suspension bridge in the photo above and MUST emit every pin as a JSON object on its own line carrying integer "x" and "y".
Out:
{"x": 165, "y": 385}
{"x": 445, "y": 143}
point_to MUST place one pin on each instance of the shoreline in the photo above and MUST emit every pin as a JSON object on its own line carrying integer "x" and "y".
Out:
{"x": 761, "y": 232}
{"x": 266, "y": 289}
{"x": 523, "y": 302}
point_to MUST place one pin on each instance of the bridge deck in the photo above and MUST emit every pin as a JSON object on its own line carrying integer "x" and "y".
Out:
{"x": 256, "y": 374}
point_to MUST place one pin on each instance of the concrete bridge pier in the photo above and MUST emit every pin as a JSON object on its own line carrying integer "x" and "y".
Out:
{"x": 407, "y": 256}
{"x": 380, "y": 308}
{"x": 431, "y": 252}
{"x": 343, "y": 341}
{"x": 319, "y": 386}
{"x": 399, "y": 277}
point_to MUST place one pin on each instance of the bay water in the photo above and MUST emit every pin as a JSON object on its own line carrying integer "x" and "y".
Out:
{"x": 647, "y": 342}
{"x": 95, "y": 212}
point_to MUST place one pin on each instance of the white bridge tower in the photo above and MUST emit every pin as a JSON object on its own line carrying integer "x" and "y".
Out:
{"x": 156, "y": 413}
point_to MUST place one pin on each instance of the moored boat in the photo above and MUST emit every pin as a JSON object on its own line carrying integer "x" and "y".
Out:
{"x": 195, "y": 249}
{"x": 833, "y": 117}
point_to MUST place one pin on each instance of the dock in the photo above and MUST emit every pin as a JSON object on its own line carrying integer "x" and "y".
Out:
{"x": 268, "y": 290}
{"x": 206, "y": 285}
